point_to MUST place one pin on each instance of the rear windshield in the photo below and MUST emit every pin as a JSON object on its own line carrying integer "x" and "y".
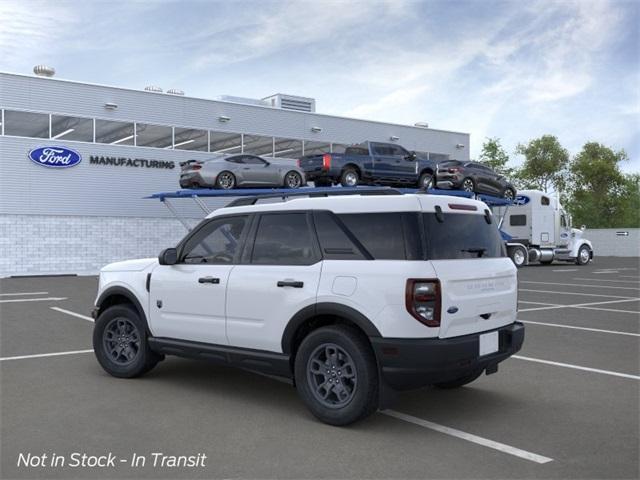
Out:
{"x": 461, "y": 235}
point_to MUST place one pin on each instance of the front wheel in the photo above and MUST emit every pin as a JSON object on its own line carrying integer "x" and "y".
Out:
{"x": 120, "y": 343}
{"x": 293, "y": 180}
{"x": 336, "y": 375}
{"x": 518, "y": 256}
{"x": 468, "y": 185}
{"x": 584, "y": 255}
{"x": 509, "y": 194}
{"x": 426, "y": 181}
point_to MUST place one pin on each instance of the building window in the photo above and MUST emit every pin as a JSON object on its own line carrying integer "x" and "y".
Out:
{"x": 258, "y": 145}
{"x": 316, "y": 148}
{"x": 225, "y": 143}
{"x": 287, "y": 148}
{"x": 71, "y": 128}
{"x": 114, "y": 133}
{"x": 338, "y": 147}
{"x": 190, "y": 139}
{"x": 157, "y": 136}
{"x": 26, "y": 124}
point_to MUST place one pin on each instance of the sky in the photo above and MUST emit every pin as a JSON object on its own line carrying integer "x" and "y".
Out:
{"x": 509, "y": 69}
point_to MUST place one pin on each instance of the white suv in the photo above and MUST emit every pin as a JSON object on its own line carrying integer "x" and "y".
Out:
{"x": 349, "y": 296}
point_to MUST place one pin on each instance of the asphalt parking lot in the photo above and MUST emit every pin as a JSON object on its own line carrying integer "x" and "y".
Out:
{"x": 566, "y": 407}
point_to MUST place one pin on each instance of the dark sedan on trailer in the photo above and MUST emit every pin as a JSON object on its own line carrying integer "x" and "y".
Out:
{"x": 473, "y": 177}
{"x": 227, "y": 172}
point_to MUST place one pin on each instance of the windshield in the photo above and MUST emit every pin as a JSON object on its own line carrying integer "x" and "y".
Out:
{"x": 461, "y": 235}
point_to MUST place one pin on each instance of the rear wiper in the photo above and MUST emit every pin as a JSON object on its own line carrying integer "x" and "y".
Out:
{"x": 479, "y": 251}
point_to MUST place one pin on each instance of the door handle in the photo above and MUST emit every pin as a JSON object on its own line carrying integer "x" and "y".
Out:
{"x": 213, "y": 280}
{"x": 290, "y": 283}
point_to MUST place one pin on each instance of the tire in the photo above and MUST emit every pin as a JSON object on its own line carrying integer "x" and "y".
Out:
{"x": 292, "y": 180}
{"x": 349, "y": 178}
{"x": 459, "y": 382}
{"x": 349, "y": 362}
{"x": 468, "y": 185}
{"x": 225, "y": 180}
{"x": 123, "y": 323}
{"x": 518, "y": 256}
{"x": 584, "y": 255}
{"x": 509, "y": 194}
{"x": 426, "y": 181}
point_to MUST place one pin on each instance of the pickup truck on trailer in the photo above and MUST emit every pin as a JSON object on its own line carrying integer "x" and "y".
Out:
{"x": 370, "y": 163}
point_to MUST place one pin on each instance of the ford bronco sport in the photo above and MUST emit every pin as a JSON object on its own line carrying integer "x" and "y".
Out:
{"x": 348, "y": 296}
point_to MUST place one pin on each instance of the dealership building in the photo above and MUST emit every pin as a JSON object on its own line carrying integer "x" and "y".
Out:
{"x": 126, "y": 145}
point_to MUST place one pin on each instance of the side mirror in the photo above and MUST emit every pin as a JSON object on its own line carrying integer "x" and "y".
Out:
{"x": 169, "y": 256}
{"x": 412, "y": 156}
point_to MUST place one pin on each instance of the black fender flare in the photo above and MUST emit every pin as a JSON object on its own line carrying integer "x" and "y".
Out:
{"x": 326, "y": 308}
{"x": 124, "y": 292}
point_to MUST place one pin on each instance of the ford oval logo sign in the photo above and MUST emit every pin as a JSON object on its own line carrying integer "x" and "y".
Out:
{"x": 55, "y": 157}
{"x": 521, "y": 200}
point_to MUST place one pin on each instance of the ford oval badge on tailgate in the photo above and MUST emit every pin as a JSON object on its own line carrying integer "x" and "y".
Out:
{"x": 55, "y": 157}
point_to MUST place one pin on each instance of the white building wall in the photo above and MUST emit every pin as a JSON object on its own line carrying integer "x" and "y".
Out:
{"x": 607, "y": 242}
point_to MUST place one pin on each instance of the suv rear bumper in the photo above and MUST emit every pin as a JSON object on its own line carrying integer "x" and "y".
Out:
{"x": 407, "y": 363}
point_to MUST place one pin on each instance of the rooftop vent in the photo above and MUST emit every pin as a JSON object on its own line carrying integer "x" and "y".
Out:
{"x": 44, "y": 71}
{"x": 291, "y": 102}
{"x": 153, "y": 88}
{"x": 421, "y": 124}
{"x": 175, "y": 91}
{"x": 243, "y": 100}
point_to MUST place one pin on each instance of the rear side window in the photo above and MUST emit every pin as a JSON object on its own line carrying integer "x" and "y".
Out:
{"x": 356, "y": 151}
{"x": 461, "y": 235}
{"x": 283, "y": 239}
{"x": 517, "y": 220}
{"x": 381, "y": 234}
{"x": 336, "y": 242}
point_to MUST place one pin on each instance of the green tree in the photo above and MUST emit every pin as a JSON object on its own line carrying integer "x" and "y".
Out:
{"x": 545, "y": 164}
{"x": 494, "y": 156}
{"x": 600, "y": 195}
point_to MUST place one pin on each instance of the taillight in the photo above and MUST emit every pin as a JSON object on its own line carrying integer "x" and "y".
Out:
{"x": 298, "y": 163}
{"x": 196, "y": 167}
{"x": 326, "y": 161}
{"x": 422, "y": 299}
{"x": 454, "y": 170}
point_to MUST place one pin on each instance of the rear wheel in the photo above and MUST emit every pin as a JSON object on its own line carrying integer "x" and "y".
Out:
{"x": 293, "y": 179}
{"x": 459, "y": 382}
{"x": 349, "y": 178}
{"x": 336, "y": 375}
{"x": 468, "y": 185}
{"x": 584, "y": 255}
{"x": 120, "y": 343}
{"x": 226, "y": 180}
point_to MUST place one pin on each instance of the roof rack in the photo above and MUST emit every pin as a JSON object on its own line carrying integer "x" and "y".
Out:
{"x": 314, "y": 193}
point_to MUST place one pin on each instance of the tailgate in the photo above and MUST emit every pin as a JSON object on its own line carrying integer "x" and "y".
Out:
{"x": 483, "y": 290}
{"x": 311, "y": 163}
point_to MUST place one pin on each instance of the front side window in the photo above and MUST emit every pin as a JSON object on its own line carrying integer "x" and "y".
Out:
{"x": 251, "y": 160}
{"x": 461, "y": 235}
{"x": 283, "y": 239}
{"x": 517, "y": 220}
{"x": 217, "y": 242}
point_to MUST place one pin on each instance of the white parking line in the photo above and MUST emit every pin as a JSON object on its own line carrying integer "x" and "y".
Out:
{"x": 42, "y": 355}
{"x": 633, "y": 312}
{"x": 598, "y": 330}
{"x": 485, "y": 442}
{"x": 540, "y": 303}
{"x": 47, "y": 299}
{"x": 574, "y": 293}
{"x": 583, "y": 305}
{"x": 73, "y": 314}
{"x": 605, "y": 280}
{"x": 578, "y": 367}
{"x": 581, "y": 285}
{"x": 628, "y": 276}
{"x": 22, "y": 293}
{"x": 566, "y": 270}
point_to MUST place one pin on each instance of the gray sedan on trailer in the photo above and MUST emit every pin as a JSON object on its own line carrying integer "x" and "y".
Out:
{"x": 236, "y": 171}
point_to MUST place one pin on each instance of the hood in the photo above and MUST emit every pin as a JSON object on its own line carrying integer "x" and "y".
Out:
{"x": 130, "y": 265}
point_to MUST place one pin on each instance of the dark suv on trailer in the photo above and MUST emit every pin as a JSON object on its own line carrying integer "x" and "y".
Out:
{"x": 473, "y": 177}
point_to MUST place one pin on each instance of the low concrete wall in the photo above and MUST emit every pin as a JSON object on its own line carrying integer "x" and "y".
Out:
{"x": 614, "y": 242}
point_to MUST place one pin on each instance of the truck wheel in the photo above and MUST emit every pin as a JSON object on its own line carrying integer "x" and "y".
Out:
{"x": 349, "y": 178}
{"x": 120, "y": 343}
{"x": 336, "y": 375}
{"x": 426, "y": 181}
{"x": 459, "y": 382}
{"x": 518, "y": 256}
{"x": 584, "y": 255}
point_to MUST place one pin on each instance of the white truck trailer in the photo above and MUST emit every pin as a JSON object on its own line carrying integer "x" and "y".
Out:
{"x": 541, "y": 231}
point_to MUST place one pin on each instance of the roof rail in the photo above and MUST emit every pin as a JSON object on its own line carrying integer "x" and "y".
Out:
{"x": 332, "y": 192}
